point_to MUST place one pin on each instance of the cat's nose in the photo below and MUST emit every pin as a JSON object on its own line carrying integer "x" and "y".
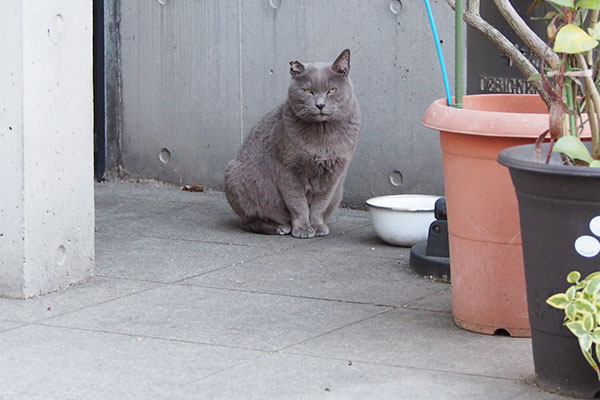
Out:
{"x": 320, "y": 106}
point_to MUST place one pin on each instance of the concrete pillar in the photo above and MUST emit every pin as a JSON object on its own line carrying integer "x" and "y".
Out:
{"x": 46, "y": 142}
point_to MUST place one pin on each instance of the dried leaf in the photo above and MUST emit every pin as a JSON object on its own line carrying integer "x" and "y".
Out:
{"x": 556, "y": 114}
{"x": 193, "y": 188}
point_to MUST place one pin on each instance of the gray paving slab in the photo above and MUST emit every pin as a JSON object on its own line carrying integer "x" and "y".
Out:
{"x": 223, "y": 317}
{"x": 12, "y": 395}
{"x": 118, "y": 204}
{"x": 205, "y": 221}
{"x": 532, "y": 392}
{"x": 440, "y": 301}
{"x": 283, "y": 376}
{"x": 425, "y": 340}
{"x": 175, "y": 214}
{"x": 166, "y": 260}
{"x": 7, "y": 325}
{"x": 52, "y": 362}
{"x": 116, "y": 214}
{"x": 190, "y": 306}
{"x": 149, "y": 191}
{"x": 325, "y": 275}
{"x": 362, "y": 240}
{"x": 97, "y": 291}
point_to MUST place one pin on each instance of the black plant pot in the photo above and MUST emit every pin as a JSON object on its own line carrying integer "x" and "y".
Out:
{"x": 556, "y": 205}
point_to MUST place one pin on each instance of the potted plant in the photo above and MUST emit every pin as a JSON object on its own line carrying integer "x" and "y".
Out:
{"x": 581, "y": 306}
{"x": 558, "y": 190}
{"x": 488, "y": 288}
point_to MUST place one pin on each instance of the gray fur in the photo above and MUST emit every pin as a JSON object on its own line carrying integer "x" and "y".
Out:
{"x": 289, "y": 174}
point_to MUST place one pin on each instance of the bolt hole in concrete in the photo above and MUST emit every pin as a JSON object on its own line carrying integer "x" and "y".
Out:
{"x": 395, "y": 6}
{"x": 274, "y": 4}
{"x": 501, "y": 332}
{"x": 61, "y": 255}
{"x": 56, "y": 29}
{"x": 59, "y": 23}
{"x": 396, "y": 178}
{"x": 163, "y": 2}
{"x": 164, "y": 156}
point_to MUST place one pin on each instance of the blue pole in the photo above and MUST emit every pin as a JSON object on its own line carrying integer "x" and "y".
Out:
{"x": 439, "y": 52}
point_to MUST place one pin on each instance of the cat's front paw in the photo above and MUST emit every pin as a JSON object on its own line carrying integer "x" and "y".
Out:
{"x": 321, "y": 229}
{"x": 284, "y": 229}
{"x": 303, "y": 232}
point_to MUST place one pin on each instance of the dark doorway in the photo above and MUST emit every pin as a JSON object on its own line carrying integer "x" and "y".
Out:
{"x": 99, "y": 96}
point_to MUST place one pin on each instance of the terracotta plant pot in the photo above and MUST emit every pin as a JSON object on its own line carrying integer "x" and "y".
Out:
{"x": 486, "y": 262}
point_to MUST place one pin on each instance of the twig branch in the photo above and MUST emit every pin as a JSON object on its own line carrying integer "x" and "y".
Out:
{"x": 473, "y": 18}
{"x": 526, "y": 34}
{"x": 592, "y": 94}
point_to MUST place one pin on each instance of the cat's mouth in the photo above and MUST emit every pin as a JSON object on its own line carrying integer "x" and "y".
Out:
{"x": 322, "y": 116}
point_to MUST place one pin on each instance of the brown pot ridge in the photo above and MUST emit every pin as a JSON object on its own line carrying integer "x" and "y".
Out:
{"x": 486, "y": 261}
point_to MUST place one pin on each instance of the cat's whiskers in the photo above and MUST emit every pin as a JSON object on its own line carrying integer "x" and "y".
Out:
{"x": 302, "y": 113}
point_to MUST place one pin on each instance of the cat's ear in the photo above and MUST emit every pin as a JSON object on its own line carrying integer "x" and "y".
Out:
{"x": 342, "y": 64}
{"x": 296, "y": 68}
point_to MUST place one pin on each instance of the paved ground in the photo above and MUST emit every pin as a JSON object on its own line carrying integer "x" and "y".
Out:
{"x": 185, "y": 305}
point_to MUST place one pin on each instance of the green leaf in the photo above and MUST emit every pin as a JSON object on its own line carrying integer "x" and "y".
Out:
{"x": 596, "y": 336}
{"x": 577, "y": 328}
{"x": 585, "y": 342}
{"x": 593, "y": 286}
{"x": 591, "y": 276}
{"x": 573, "y": 277}
{"x": 566, "y": 3}
{"x": 572, "y": 39}
{"x": 574, "y": 148}
{"x": 559, "y": 301}
{"x": 595, "y": 164}
{"x": 534, "y": 77}
{"x": 571, "y": 292}
{"x": 588, "y": 322}
{"x": 591, "y": 4}
{"x": 588, "y": 356}
{"x": 570, "y": 311}
{"x": 583, "y": 306}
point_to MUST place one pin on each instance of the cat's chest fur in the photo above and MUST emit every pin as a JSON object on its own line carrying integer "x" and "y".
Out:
{"x": 317, "y": 151}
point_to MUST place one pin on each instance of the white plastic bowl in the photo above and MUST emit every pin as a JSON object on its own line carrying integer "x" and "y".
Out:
{"x": 402, "y": 220}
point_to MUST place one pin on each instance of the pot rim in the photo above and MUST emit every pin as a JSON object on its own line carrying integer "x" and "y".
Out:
{"x": 496, "y": 114}
{"x": 522, "y": 157}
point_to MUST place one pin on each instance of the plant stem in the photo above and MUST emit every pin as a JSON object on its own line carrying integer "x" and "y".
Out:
{"x": 591, "y": 90}
{"x": 570, "y": 105}
{"x": 459, "y": 54}
{"x": 592, "y": 117}
{"x": 592, "y": 25}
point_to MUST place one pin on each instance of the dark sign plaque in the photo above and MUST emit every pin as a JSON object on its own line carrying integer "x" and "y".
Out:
{"x": 488, "y": 69}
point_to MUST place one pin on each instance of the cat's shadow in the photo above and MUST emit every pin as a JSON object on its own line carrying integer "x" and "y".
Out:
{"x": 232, "y": 224}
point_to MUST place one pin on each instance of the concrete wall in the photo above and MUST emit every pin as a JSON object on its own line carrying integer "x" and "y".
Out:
{"x": 197, "y": 75}
{"x": 46, "y": 136}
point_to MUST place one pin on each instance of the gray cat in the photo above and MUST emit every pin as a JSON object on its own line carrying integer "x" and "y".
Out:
{"x": 289, "y": 174}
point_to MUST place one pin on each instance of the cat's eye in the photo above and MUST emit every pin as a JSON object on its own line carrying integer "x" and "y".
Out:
{"x": 332, "y": 90}
{"x": 309, "y": 91}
